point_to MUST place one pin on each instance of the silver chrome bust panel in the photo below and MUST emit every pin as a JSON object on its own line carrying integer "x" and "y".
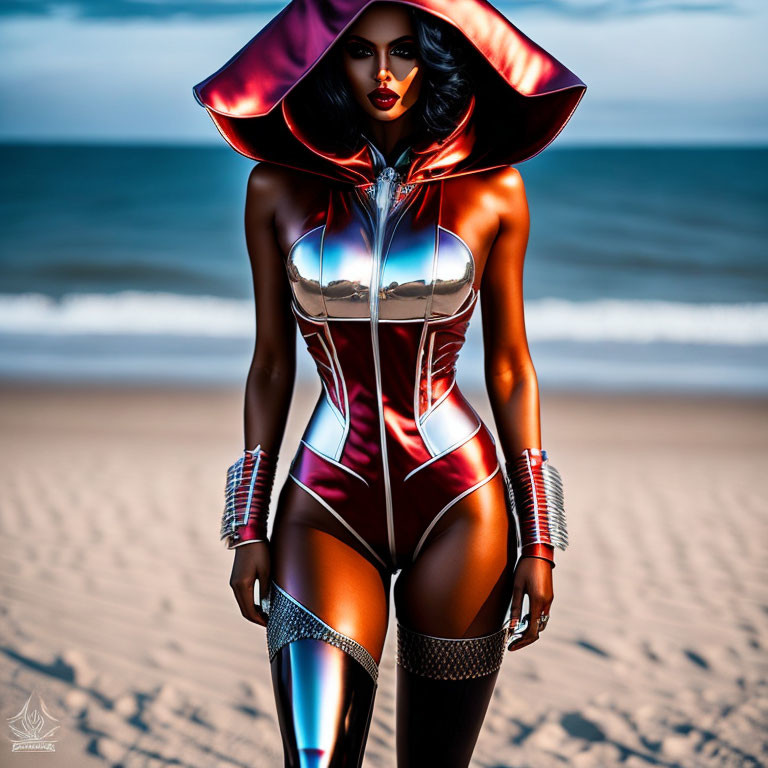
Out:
{"x": 427, "y": 273}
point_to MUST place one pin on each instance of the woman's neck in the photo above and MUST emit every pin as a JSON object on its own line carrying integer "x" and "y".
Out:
{"x": 389, "y": 135}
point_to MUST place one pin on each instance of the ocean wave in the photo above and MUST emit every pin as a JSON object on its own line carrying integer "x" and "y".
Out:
{"x": 550, "y": 319}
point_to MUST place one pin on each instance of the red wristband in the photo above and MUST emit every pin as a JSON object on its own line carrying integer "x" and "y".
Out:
{"x": 248, "y": 491}
{"x": 536, "y": 493}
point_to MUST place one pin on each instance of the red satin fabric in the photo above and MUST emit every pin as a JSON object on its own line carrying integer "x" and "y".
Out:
{"x": 419, "y": 497}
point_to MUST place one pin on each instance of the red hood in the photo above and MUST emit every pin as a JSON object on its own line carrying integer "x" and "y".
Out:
{"x": 529, "y": 95}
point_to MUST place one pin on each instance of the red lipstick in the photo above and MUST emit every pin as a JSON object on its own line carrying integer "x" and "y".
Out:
{"x": 383, "y": 98}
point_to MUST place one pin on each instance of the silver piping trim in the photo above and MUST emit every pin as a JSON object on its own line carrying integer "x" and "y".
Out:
{"x": 429, "y": 370}
{"x": 322, "y": 259}
{"x": 417, "y": 386}
{"x": 373, "y": 296}
{"x": 467, "y": 304}
{"x": 301, "y": 237}
{"x": 444, "y": 395}
{"x": 337, "y": 516}
{"x": 333, "y": 408}
{"x": 441, "y": 370}
{"x": 448, "y": 506}
{"x": 447, "y": 344}
{"x": 438, "y": 401}
{"x": 333, "y": 461}
{"x": 347, "y": 415}
{"x": 330, "y": 367}
{"x": 297, "y": 309}
{"x": 464, "y": 243}
{"x": 320, "y": 320}
{"x": 448, "y": 450}
{"x": 477, "y": 416}
{"x": 433, "y": 276}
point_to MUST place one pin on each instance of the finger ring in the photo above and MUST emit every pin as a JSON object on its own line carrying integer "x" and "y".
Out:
{"x": 543, "y": 619}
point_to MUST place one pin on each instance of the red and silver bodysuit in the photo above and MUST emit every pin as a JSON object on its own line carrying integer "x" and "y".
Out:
{"x": 392, "y": 442}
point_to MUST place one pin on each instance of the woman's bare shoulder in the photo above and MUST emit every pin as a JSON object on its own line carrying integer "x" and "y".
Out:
{"x": 507, "y": 190}
{"x": 505, "y": 182}
{"x": 503, "y": 188}
{"x": 270, "y": 185}
{"x": 268, "y": 178}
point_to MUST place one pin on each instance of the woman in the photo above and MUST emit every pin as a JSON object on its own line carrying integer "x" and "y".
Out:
{"x": 387, "y": 133}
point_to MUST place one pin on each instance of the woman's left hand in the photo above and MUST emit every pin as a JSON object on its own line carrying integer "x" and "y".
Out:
{"x": 533, "y": 577}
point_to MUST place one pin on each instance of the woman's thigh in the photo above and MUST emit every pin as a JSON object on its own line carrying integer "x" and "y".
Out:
{"x": 460, "y": 584}
{"x": 319, "y": 563}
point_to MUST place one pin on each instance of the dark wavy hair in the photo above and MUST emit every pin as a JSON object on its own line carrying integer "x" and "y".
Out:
{"x": 449, "y": 66}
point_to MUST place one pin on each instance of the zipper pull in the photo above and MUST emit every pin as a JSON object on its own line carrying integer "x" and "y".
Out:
{"x": 384, "y": 189}
{"x": 388, "y": 174}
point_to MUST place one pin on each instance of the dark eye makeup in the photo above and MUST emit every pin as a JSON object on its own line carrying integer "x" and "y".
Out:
{"x": 359, "y": 50}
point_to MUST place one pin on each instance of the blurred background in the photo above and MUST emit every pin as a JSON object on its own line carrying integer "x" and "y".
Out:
{"x": 121, "y": 232}
{"x": 126, "y": 332}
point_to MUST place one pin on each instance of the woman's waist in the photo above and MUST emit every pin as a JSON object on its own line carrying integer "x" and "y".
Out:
{"x": 413, "y": 434}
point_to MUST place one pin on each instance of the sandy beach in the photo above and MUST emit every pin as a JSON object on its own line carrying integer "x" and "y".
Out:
{"x": 117, "y": 609}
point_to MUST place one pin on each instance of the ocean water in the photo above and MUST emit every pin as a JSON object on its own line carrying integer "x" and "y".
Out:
{"x": 646, "y": 268}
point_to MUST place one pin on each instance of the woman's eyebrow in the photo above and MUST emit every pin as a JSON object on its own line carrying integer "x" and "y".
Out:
{"x": 400, "y": 39}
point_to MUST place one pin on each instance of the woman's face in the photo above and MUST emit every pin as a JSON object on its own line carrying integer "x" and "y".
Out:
{"x": 381, "y": 61}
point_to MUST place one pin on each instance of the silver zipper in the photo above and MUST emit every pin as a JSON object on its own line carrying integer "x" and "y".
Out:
{"x": 383, "y": 194}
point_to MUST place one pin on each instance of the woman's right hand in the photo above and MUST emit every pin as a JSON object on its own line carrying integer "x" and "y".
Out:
{"x": 533, "y": 577}
{"x": 251, "y": 564}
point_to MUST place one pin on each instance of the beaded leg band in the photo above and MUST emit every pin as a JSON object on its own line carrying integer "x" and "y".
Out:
{"x": 247, "y": 494}
{"x": 536, "y": 493}
{"x": 289, "y": 620}
{"x": 442, "y": 658}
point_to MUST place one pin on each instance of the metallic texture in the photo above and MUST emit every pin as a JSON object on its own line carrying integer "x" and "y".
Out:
{"x": 443, "y": 658}
{"x": 524, "y": 86}
{"x": 428, "y": 270}
{"x": 382, "y": 200}
{"x": 536, "y": 492}
{"x": 392, "y": 441}
{"x": 289, "y": 620}
{"x": 383, "y": 293}
{"x": 324, "y": 705}
{"x": 246, "y": 500}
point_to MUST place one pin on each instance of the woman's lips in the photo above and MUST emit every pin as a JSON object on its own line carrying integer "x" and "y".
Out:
{"x": 383, "y": 98}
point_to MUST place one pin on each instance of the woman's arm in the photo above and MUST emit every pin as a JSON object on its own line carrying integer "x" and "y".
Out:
{"x": 271, "y": 377}
{"x": 270, "y": 383}
{"x": 510, "y": 377}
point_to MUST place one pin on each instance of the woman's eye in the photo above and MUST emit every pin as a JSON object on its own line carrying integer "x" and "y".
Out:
{"x": 405, "y": 51}
{"x": 357, "y": 51}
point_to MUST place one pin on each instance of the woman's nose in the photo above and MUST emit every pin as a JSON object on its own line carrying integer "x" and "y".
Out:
{"x": 383, "y": 64}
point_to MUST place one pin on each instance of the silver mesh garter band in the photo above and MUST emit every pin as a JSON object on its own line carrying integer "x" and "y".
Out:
{"x": 289, "y": 620}
{"x": 445, "y": 658}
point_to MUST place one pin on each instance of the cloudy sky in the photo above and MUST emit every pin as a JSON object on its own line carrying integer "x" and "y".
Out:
{"x": 657, "y": 71}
